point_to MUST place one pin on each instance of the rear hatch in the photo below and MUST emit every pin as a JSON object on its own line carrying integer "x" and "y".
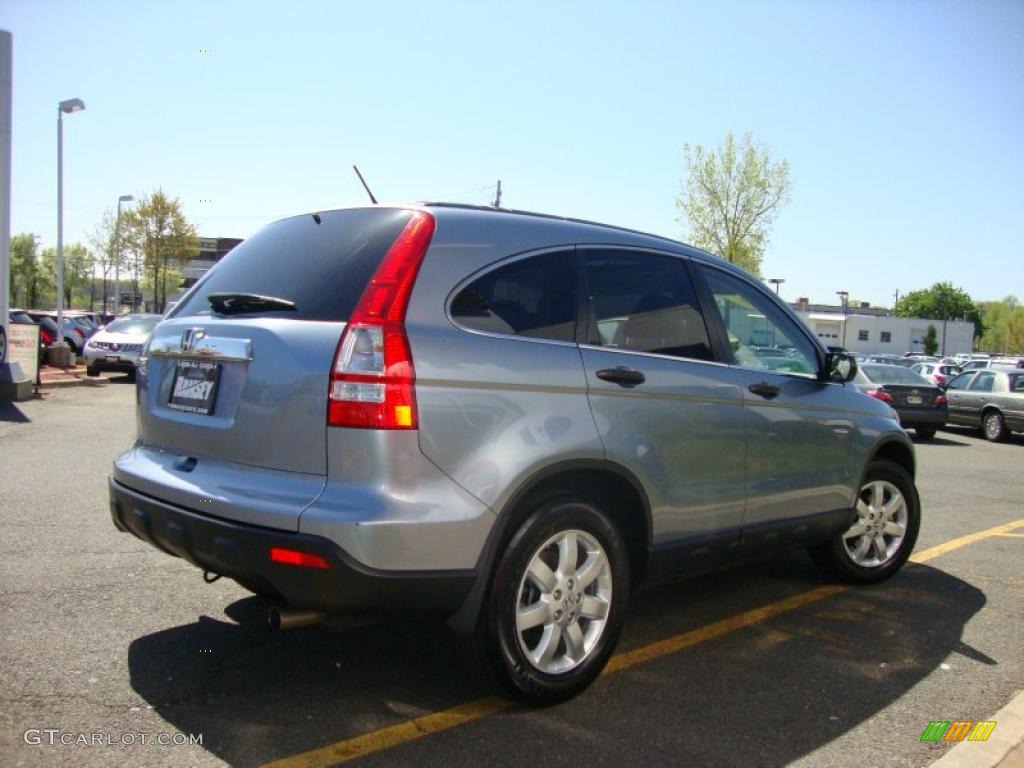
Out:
{"x": 242, "y": 383}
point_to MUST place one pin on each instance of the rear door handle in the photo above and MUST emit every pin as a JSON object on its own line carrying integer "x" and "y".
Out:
{"x": 621, "y": 375}
{"x": 765, "y": 390}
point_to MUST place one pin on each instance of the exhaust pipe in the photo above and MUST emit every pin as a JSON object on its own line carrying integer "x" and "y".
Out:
{"x": 289, "y": 618}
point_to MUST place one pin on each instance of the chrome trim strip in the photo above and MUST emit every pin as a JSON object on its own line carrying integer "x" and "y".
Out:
{"x": 207, "y": 348}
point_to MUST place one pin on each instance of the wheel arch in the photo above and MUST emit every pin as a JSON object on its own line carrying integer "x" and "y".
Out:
{"x": 600, "y": 480}
{"x": 898, "y": 452}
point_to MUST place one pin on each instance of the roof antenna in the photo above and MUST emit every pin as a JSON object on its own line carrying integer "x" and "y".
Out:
{"x": 361, "y": 179}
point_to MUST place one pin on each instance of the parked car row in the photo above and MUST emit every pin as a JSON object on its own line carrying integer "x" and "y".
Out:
{"x": 106, "y": 347}
{"x": 988, "y": 399}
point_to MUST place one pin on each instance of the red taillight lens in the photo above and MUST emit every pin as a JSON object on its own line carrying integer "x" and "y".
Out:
{"x": 79, "y": 332}
{"x": 881, "y": 394}
{"x": 295, "y": 557}
{"x": 373, "y": 376}
{"x": 939, "y": 378}
{"x": 46, "y": 336}
{"x": 940, "y": 400}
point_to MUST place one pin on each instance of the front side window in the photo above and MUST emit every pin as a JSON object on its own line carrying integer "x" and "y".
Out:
{"x": 761, "y": 336}
{"x": 533, "y": 297}
{"x": 644, "y": 302}
{"x": 983, "y": 382}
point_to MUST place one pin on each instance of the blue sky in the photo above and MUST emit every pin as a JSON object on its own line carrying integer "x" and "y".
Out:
{"x": 903, "y": 122}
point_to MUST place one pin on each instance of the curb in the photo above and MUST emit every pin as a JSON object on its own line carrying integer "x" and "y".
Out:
{"x": 1006, "y": 741}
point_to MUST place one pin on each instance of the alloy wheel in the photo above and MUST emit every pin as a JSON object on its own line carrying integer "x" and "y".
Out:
{"x": 563, "y": 601}
{"x": 875, "y": 537}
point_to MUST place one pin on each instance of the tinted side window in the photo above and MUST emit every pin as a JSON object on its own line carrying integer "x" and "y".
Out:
{"x": 534, "y": 297}
{"x": 983, "y": 382}
{"x": 959, "y": 382}
{"x": 761, "y": 335}
{"x": 644, "y": 302}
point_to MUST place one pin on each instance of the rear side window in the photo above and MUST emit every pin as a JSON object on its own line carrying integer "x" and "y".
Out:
{"x": 644, "y": 302}
{"x": 533, "y": 297}
{"x": 983, "y": 382}
{"x": 323, "y": 268}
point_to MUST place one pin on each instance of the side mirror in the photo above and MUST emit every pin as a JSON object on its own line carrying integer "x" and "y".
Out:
{"x": 840, "y": 367}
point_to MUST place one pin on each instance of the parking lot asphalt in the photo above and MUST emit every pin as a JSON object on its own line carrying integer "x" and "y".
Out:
{"x": 763, "y": 665}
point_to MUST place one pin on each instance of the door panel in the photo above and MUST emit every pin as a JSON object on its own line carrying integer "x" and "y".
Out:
{"x": 681, "y": 431}
{"x": 663, "y": 409}
{"x": 802, "y": 440}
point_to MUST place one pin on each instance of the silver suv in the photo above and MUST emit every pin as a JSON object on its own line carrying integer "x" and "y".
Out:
{"x": 505, "y": 419}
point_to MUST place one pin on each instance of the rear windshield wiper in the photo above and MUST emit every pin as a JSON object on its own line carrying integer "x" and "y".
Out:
{"x": 237, "y": 303}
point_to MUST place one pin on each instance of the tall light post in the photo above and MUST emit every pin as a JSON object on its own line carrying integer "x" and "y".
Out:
{"x": 845, "y": 296}
{"x": 117, "y": 252}
{"x": 65, "y": 107}
{"x": 776, "y": 281}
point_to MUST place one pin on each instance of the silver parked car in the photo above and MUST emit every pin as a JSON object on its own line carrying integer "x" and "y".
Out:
{"x": 506, "y": 419}
{"x": 992, "y": 400}
{"x": 118, "y": 346}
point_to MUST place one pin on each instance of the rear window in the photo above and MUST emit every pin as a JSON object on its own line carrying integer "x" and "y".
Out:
{"x": 136, "y": 325}
{"x": 322, "y": 268}
{"x": 892, "y": 374}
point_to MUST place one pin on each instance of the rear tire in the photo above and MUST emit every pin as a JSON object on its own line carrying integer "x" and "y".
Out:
{"x": 884, "y": 533}
{"x": 993, "y": 427}
{"x": 924, "y": 434}
{"x": 556, "y": 602}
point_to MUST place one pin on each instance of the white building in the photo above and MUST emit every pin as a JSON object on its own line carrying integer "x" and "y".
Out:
{"x": 874, "y": 331}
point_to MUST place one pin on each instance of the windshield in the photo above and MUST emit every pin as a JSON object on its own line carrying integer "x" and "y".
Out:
{"x": 893, "y": 374}
{"x": 134, "y": 325}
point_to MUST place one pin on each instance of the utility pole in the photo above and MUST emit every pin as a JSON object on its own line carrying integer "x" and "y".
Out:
{"x": 497, "y": 195}
{"x": 897, "y": 295}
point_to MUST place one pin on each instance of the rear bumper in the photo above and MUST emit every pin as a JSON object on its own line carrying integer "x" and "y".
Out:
{"x": 242, "y": 552}
{"x": 929, "y": 419}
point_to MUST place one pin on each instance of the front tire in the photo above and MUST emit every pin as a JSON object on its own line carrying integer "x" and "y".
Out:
{"x": 556, "y": 603}
{"x": 924, "y": 434}
{"x": 883, "y": 535}
{"x": 993, "y": 426}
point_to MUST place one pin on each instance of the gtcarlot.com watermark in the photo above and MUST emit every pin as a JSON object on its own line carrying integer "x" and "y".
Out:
{"x": 55, "y": 737}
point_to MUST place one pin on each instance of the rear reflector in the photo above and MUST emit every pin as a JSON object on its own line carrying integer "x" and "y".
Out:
{"x": 295, "y": 557}
{"x": 372, "y": 378}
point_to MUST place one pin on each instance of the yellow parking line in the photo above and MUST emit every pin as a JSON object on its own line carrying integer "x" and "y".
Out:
{"x": 386, "y": 738}
{"x": 940, "y": 549}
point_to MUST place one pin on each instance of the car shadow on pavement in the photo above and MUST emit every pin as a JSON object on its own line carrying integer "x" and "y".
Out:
{"x": 940, "y": 440}
{"x": 772, "y": 691}
{"x": 11, "y": 412}
{"x": 957, "y": 430}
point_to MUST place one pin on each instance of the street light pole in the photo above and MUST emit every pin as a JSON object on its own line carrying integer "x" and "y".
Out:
{"x": 117, "y": 252}
{"x": 69, "y": 106}
{"x": 845, "y": 296}
{"x": 776, "y": 281}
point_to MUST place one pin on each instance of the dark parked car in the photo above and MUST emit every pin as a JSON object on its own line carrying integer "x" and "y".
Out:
{"x": 505, "y": 419}
{"x": 920, "y": 404}
{"x": 991, "y": 400}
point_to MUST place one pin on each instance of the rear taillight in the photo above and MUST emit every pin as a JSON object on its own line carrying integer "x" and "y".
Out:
{"x": 47, "y": 336}
{"x": 940, "y": 400}
{"x": 373, "y": 377}
{"x": 881, "y": 394}
{"x": 79, "y": 332}
{"x": 939, "y": 378}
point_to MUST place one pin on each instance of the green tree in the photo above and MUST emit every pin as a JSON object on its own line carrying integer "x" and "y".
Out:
{"x": 942, "y": 301}
{"x": 30, "y": 284}
{"x": 110, "y": 260}
{"x": 931, "y": 340}
{"x": 161, "y": 240}
{"x": 1004, "y": 326}
{"x": 730, "y": 198}
{"x": 78, "y": 264}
